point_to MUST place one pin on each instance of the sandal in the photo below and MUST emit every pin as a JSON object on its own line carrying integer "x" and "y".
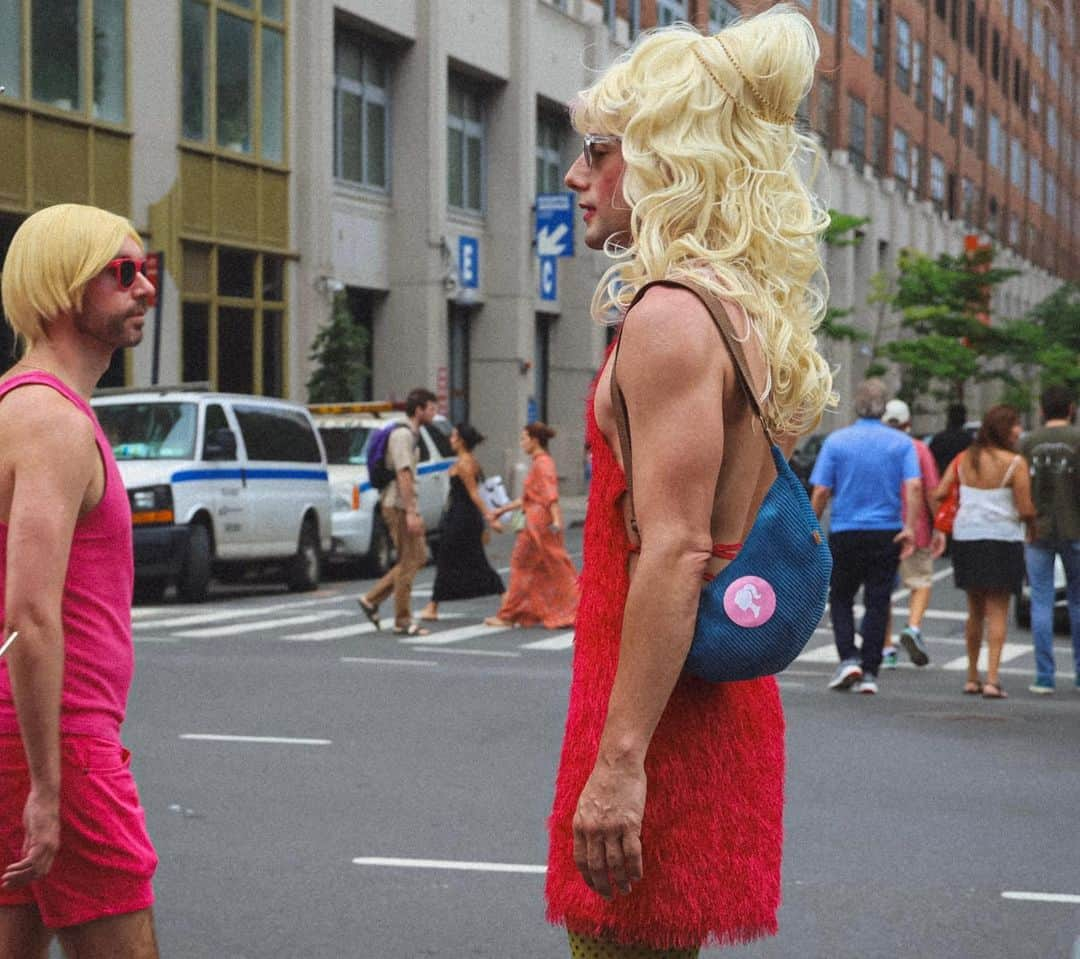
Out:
{"x": 973, "y": 687}
{"x": 994, "y": 691}
{"x": 413, "y": 629}
{"x": 371, "y": 612}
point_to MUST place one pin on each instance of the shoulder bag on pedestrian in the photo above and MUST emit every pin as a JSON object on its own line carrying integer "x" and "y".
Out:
{"x": 946, "y": 511}
{"x": 760, "y": 611}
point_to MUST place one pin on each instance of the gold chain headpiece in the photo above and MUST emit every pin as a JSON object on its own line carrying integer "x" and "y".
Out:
{"x": 779, "y": 120}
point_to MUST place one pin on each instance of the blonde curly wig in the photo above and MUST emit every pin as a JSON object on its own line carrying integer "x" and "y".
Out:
{"x": 717, "y": 180}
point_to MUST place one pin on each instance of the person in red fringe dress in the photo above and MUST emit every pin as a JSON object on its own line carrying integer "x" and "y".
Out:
{"x": 666, "y": 829}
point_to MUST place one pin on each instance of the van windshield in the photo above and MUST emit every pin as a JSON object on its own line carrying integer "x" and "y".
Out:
{"x": 345, "y": 445}
{"x": 150, "y": 431}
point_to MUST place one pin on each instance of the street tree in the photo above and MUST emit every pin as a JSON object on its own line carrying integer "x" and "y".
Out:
{"x": 338, "y": 354}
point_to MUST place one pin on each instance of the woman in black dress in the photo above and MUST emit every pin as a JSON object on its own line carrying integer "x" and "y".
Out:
{"x": 462, "y": 570}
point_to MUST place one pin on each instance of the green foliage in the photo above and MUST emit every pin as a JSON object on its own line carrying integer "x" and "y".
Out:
{"x": 939, "y": 299}
{"x": 338, "y": 352}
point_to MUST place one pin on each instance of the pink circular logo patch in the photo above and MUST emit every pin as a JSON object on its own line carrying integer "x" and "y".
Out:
{"x": 749, "y": 601}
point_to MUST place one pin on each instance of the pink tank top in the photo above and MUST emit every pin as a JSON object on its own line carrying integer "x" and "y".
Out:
{"x": 98, "y": 654}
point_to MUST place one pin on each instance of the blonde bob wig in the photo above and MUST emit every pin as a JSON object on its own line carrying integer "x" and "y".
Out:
{"x": 716, "y": 179}
{"x": 53, "y": 255}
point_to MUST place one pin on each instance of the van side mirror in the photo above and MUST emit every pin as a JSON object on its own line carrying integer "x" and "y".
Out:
{"x": 220, "y": 445}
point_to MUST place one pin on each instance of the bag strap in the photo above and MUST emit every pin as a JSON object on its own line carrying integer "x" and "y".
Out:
{"x": 721, "y": 314}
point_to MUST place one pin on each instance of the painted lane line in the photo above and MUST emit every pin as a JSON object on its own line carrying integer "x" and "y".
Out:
{"x": 373, "y": 661}
{"x": 562, "y": 641}
{"x": 154, "y": 640}
{"x": 449, "y": 864}
{"x": 335, "y": 632}
{"x": 237, "y": 629}
{"x": 448, "y": 636}
{"x": 466, "y": 652}
{"x": 197, "y": 619}
{"x": 1009, "y": 652}
{"x": 279, "y": 740}
{"x": 1061, "y": 897}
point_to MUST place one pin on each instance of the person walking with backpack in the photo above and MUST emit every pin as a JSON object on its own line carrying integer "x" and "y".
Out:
{"x": 1053, "y": 453}
{"x": 400, "y": 511}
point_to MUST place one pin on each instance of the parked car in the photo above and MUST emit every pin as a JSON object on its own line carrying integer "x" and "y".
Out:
{"x": 218, "y": 482}
{"x": 359, "y": 534}
{"x": 1061, "y": 605}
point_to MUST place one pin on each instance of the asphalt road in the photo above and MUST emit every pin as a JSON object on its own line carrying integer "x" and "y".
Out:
{"x": 357, "y": 769}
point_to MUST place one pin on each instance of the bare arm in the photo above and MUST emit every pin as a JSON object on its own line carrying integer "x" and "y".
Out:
{"x": 1021, "y": 487}
{"x": 819, "y": 499}
{"x": 466, "y": 471}
{"x": 672, "y": 387}
{"x": 406, "y": 487}
{"x": 54, "y": 462}
{"x": 912, "y": 503}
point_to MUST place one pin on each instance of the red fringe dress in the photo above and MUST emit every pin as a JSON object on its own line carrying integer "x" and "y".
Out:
{"x": 713, "y": 823}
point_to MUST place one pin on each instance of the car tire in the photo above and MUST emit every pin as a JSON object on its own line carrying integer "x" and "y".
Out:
{"x": 151, "y": 589}
{"x": 381, "y": 555}
{"x": 193, "y": 583}
{"x": 305, "y": 566}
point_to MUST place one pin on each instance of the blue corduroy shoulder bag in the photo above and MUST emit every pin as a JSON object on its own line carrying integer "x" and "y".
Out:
{"x": 760, "y": 611}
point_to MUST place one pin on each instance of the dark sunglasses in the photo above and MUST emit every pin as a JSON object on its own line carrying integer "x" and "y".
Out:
{"x": 593, "y": 140}
{"x": 126, "y": 268}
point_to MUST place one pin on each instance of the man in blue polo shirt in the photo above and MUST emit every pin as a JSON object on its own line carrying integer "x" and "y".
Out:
{"x": 862, "y": 469}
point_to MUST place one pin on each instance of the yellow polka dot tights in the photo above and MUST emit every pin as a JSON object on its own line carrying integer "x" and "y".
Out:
{"x": 582, "y": 947}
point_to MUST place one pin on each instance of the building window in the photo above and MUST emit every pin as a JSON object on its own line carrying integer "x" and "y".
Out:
{"x": 1051, "y": 195}
{"x": 969, "y": 116}
{"x": 721, "y": 13}
{"x": 670, "y": 11}
{"x": 1035, "y": 106}
{"x": 233, "y": 319}
{"x": 916, "y": 167}
{"x": 901, "y": 168}
{"x": 1038, "y": 35}
{"x": 1052, "y": 126}
{"x": 969, "y": 200}
{"x": 361, "y": 113}
{"x": 827, "y": 14}
{"x": 937, "y": 180}
{"x": 937, "y": 89}
{"x": 993, "y": 217}
{"x": 1053, "y": 60}
{"x": 981, "y": 56}
{"x": 219, "y": 68}
{"x": 70, "y": 67}
{"x": 995, "y": 54}
{"x": 970, "y": 22}
{"x": 856, "y": 132}
{"x": 1020, "y": 16}
{"x": 918, "y": 73}
{"x": 857, "y": 26}
{"x": 878, "y": 144}
{"x": 995, "y": 144}
{"x": 941, "y": 9}
{"x": 1035, "y": 181}
{"x": 549, "y": 166}
{"x": 903, "y": 54}
{"x": 1017, "y": 164}
{"x": 465, "y": 147}
{"x": 950, "y": 102}
{"x": 825, "y": 105}
{"x": 879, "y": 37}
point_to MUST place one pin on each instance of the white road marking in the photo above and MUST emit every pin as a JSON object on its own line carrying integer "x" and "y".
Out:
{"x": 196, "y": 619}
{"x": 335, "y": 632}
{"x": 819, "y": 654}
{"x": 237, "y": 629}
{"x": 466, "y": 652}
{"x": 371, "y": 660}
{"x": 1062, "y": 897}
{"x": 448, "y": 864}
{"x": 1009, "y": 652}
{"x": 562, "y": 641}
{"x": 154, "y": 639}
{"x": 447, "y": 636}
{"x": 282, "y": 740}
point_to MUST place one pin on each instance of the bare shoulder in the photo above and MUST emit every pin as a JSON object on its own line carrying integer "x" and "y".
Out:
{"x": 38, "y": 417}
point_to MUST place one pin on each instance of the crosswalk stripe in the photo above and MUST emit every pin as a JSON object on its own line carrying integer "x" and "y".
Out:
{"x": 447, "y": 636}
{"x": 196, "y": 619}
{"x": 237, "y": 629}
{"x": 561, "y": 641}
{"x": 819, "y": 654}
{"x": 335, "y": 632}
{"x": 1010, "y": 652}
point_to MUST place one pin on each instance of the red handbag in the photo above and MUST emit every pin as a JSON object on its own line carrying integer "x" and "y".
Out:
{"x": 946, "y": 512}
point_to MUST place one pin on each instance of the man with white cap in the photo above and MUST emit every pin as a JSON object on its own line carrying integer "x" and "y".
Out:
{"x": 917, "y": 570}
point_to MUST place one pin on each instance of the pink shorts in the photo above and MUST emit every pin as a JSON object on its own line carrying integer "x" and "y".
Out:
{"x": 106, "y": 859}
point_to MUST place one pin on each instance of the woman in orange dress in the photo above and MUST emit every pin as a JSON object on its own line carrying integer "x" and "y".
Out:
{"x": 543, "y": 582}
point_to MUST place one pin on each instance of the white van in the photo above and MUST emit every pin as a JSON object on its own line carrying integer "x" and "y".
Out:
{"x": 359, "y": 533}
{"x": 217, "y": 482}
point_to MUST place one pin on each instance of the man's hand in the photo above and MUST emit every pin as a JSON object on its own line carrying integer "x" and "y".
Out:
{"x": 413, "y": 523}
{"x": 41, "y": 820}
{"x": 906, "y": 539}
{"x": 938, "y": 544}
{"x": 607, "y": 829}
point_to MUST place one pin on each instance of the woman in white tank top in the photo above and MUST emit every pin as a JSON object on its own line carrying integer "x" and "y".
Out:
{"x": 988, "y": 538}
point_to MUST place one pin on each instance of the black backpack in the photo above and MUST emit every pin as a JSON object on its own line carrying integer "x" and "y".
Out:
{"x": 379, "y": 474}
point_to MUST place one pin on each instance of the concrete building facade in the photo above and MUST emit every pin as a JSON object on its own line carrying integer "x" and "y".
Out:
{"x": 281, "y": 154}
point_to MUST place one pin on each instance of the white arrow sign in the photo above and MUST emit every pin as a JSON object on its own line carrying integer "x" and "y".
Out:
{"x": 550, "y": 242}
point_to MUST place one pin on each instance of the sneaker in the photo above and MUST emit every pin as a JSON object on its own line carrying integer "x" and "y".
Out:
{"x": 912, "y": 641}
{"x": 867, "y": 685}
{"x": 847, "y": 674}
{"x": 1041, "y": 689}
{"x": 888, "y": 657}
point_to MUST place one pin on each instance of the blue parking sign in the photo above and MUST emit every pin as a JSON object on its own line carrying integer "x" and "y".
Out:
{"x": 555, "y": 224}
{"x": 549, "y": 278}
{"x": 468, "y": 262}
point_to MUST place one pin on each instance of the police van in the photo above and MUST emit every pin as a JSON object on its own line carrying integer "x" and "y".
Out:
{"x": 218, "y": 483}
{"x": 359, "y": 533}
